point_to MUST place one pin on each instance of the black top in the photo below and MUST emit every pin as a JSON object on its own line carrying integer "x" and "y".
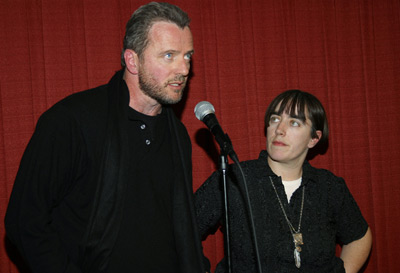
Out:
{"x": 330, "y": 216}
{"x": 145, "y": 242}
{"x": 52, "y": 201}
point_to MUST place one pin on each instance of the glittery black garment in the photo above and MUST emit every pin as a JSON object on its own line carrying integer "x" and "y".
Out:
{"x": 330, "y": 216}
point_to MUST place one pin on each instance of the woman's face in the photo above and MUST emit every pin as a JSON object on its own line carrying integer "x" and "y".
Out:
{"x": 289, "y": 138}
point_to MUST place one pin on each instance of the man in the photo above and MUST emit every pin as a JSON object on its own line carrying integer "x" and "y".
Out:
{"x": 105, "y": 183}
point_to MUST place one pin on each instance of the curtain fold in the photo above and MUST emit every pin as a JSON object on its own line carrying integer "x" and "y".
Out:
{"x": 347, "y": 53}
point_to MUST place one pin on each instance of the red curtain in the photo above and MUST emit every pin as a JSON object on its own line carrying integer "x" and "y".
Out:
{"x": 345, "y": 52}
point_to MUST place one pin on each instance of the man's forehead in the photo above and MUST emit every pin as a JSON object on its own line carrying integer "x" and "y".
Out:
{"x": 167, "y": 31}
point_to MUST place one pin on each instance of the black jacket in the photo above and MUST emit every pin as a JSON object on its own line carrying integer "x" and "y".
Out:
{"x": 73, "y": 167}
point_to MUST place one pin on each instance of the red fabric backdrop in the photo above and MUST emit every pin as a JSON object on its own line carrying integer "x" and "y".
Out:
{"x": 345, "y": 52}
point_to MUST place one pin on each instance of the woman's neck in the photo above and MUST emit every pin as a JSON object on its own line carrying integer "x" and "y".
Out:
{"x": 288, "y": 172}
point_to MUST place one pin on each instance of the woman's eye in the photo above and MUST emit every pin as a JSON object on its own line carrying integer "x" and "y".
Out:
{"x": 274, "y": 119}
{"x": 295, "y": 123}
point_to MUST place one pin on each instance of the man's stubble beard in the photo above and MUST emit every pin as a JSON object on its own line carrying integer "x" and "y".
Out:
{"x": 157, "y": 92}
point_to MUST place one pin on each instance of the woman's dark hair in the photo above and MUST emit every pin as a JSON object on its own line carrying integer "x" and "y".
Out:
{"x": 303, "y": 105}
{"x": 138, "y": 26}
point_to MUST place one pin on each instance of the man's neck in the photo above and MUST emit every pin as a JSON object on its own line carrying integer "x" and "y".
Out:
{"x": 138, "y": 100}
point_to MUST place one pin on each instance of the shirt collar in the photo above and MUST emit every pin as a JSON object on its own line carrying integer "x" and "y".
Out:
{"x": 309, "y": 172}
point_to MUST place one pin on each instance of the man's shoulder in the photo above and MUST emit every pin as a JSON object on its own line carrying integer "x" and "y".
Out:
{"x": 84, "y": 100}
{"x": 85, "y": 108}
{"x": 81, "y": 103}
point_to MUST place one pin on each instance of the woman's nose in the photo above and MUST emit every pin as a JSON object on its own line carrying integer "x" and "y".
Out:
{"x": 280, "y": 129}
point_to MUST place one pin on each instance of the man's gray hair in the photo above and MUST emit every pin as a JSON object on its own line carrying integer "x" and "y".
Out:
{"x": 138, "y": 26}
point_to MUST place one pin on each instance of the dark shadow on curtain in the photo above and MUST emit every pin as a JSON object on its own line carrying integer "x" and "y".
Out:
{"x": 205, "y": 140}
{"x": 364, "y": 268}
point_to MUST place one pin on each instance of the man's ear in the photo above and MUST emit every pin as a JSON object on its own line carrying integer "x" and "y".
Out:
{"x": 131, "y": 61}
{"x": 315, "y": 140}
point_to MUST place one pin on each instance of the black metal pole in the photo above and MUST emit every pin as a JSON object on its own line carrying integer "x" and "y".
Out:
{"x": 224, "y": 161}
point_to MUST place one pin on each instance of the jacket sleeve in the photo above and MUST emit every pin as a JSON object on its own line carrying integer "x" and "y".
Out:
{"x": 47, "y": 170}
{"x": 209, "y": 205}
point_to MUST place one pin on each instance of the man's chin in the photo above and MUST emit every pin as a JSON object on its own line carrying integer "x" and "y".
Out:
{"x": 176, "y": 97}
{"x": 171, "y": 100}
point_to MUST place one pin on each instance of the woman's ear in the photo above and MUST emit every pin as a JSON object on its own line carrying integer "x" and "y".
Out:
{"x": 131, "y": 61}
{"x": 315, "y": 140}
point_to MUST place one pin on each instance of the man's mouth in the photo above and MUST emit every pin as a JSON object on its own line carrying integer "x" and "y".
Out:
{"x": 176, "y": 84}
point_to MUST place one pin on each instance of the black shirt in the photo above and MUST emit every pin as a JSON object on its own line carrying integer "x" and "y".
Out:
{"x": 145, "y": 242}
{"x": 330, "y": 216}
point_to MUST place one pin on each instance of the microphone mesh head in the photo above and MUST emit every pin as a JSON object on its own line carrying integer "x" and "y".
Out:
{"x": 202, "y": 109}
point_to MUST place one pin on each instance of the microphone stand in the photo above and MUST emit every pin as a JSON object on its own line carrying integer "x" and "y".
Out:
{"x": 227, "y": 149}
{"x": 205, "y": 112}
{"x": 224, "y": 161}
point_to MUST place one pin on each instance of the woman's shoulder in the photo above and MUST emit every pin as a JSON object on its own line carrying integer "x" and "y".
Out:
{"x": 319, "y": 173}
{"x": 324, "y": 178}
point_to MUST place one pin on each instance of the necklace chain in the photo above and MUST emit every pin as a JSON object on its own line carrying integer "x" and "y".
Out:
{"x": 297, "y": 236}
{"x": 292, "y": 230}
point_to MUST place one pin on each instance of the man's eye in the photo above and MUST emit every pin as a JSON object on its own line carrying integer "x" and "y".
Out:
{"x": 168, "y": 55}
{"x": 188, "y": 56}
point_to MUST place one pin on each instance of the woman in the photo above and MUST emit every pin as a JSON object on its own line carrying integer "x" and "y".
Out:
{"x": 300, "y": 212}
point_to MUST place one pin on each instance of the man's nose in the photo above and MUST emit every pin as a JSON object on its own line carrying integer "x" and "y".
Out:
{"x": 182, "y": 67}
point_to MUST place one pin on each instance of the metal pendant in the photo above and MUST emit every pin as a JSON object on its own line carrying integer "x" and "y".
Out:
{"x": 298, "y": 241}
{"x": 297, "y": 259}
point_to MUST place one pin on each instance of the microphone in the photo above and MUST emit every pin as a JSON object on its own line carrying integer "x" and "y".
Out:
{"x": 205, "y": 112}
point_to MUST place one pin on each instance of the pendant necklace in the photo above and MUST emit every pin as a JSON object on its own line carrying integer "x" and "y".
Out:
{"x": 297, "y": 236}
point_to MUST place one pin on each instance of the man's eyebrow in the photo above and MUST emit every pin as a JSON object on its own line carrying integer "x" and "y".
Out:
{"x": 169, "y": 51}
{"x": 191, "y": 52}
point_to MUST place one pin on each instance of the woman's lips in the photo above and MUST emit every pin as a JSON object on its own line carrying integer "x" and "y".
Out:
{"x": 278, "y": 143}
